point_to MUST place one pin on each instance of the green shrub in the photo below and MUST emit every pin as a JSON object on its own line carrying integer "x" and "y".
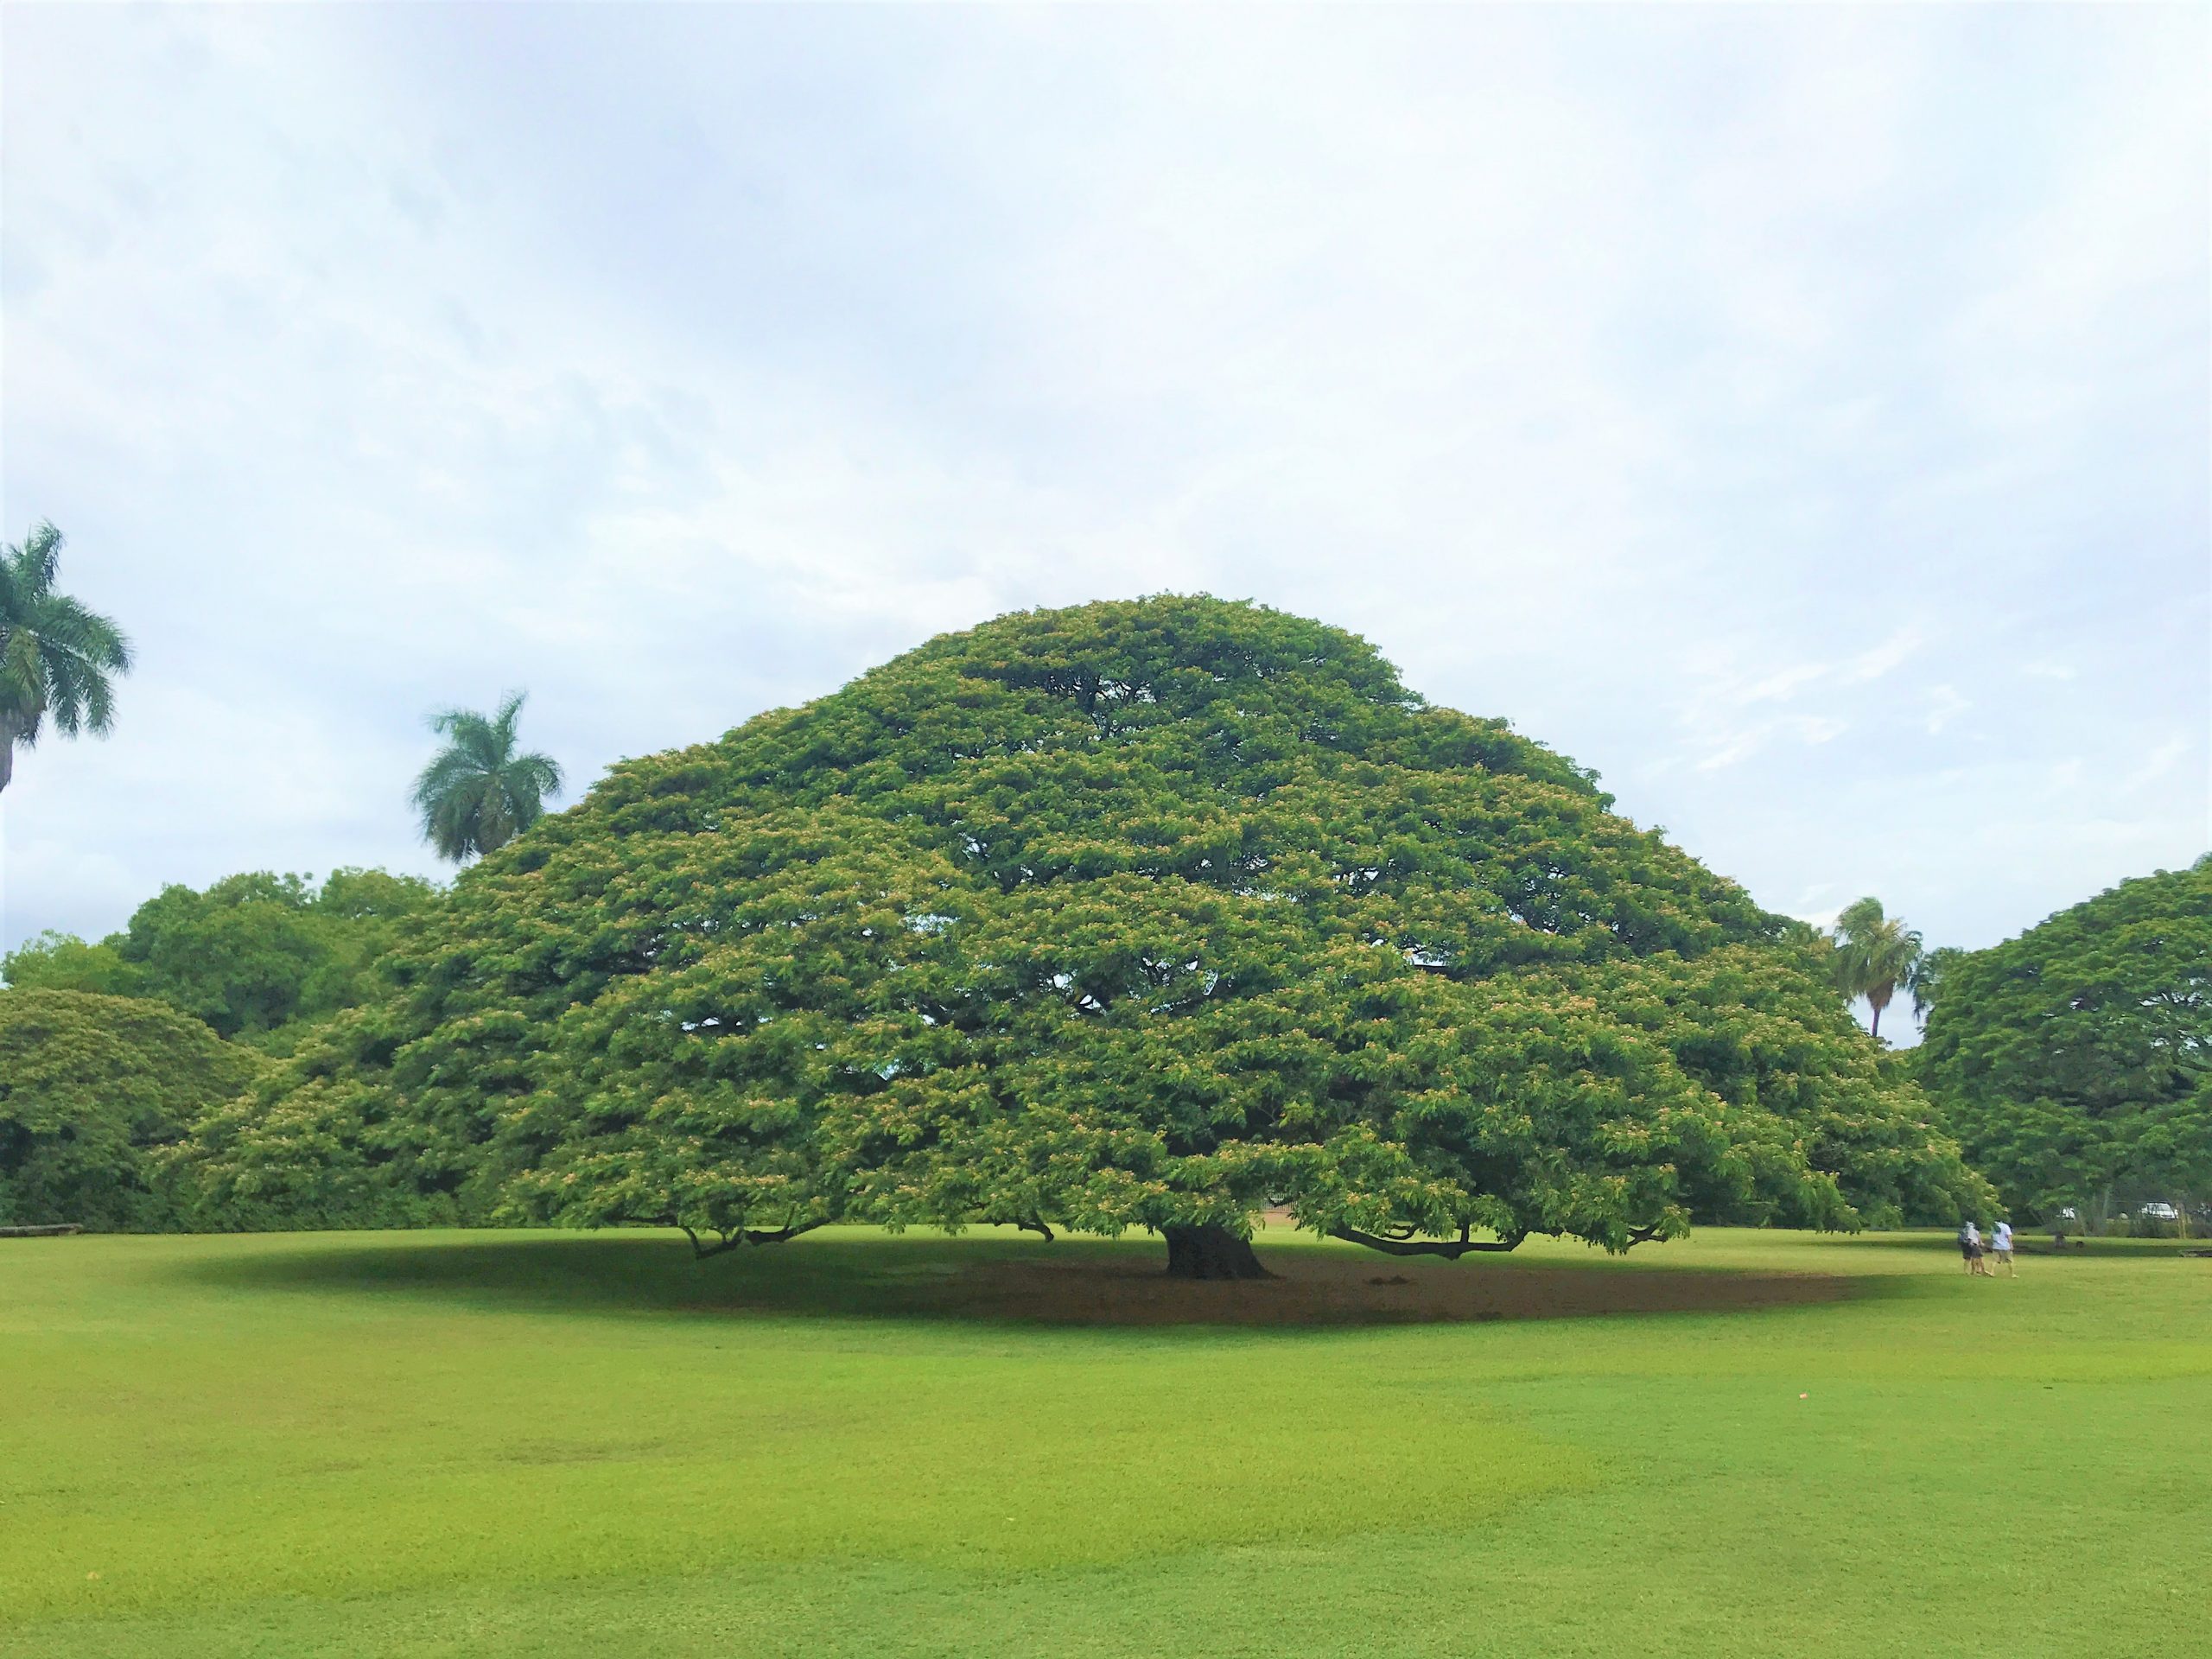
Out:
{"x": 91, "y": 1087}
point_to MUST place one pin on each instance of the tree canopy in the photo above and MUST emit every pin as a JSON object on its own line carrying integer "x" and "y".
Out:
{"x": 55, "y": 654}
{"x": 1135, "y": 915}
{"x": 254, "y": 955}
{"x": 90, "y": 1088}
{"x": 2078, "y": 1056}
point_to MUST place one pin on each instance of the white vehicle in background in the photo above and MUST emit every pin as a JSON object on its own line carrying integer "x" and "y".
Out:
{"x": 2158, "y": 1210}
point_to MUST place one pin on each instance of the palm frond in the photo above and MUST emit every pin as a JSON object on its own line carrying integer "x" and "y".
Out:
{"x": 463, "y": 726}
{"x": 539, "y": 773}
{"x": 63, "y": 623}
{"x": 37, "y": 560}
{"x": 505, "y": 721}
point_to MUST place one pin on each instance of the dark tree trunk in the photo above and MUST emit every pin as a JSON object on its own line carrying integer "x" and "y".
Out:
{"x": 1210, "y": 1253}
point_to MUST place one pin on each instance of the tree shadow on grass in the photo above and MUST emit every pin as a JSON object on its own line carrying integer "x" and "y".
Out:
{"x": 2039, "y": 1244}
{"x": 978, "y": 1277}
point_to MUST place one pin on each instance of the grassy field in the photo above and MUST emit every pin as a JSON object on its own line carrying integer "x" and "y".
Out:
{"x": 532, "y": 1444}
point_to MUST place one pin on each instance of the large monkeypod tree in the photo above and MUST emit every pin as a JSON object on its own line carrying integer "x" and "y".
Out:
{"x": 2076, "y": 1059}
{"x": 1144, "y": 915}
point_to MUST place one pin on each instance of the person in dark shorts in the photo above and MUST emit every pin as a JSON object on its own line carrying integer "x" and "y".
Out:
{"x": 1970, "y": 1247}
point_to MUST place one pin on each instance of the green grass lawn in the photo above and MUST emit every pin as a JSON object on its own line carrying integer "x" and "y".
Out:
{"x": 457, "y": 1444}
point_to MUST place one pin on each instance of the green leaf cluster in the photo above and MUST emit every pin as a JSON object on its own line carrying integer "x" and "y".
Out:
{"x": 1134, "y": 915}
{"x": 2077, "y": 1057}
{"x": 91, "y": 1089}
{"x": 257, "y": 957}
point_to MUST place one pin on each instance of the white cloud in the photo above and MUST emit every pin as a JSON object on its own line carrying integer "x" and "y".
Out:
{"x": 1823, "y": 918}
{"x": 1944, "y": 706}
{"x": 2159, "y": 763}
{"x": 1879, "y": 660}
{"x": 1781, "y": 685}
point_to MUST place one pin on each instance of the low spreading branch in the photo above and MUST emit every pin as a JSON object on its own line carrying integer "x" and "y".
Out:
{"x": 1450, "y": 1249}
{"x": 732, "y": 1238}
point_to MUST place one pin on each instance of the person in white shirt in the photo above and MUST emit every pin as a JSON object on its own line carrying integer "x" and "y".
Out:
{"x": 2000, "y": 1242}
{"x": 1970, "y": 1246}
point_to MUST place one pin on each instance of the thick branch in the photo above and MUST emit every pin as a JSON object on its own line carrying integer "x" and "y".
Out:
{"x": 735, "y": 1238}
{"x": 782, "y": 1235}
{"x": 1451, "y": 1249}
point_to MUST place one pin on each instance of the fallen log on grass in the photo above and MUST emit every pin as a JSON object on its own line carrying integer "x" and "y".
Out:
{"x": 54, "y": 1231}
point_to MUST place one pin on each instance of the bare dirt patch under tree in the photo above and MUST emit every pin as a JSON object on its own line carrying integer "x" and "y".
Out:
{"x": 1309, "y": 1286}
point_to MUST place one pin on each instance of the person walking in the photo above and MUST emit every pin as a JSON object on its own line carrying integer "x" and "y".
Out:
{"x": 1970, "y": 1246}
{"x": 2000, "y": 1244}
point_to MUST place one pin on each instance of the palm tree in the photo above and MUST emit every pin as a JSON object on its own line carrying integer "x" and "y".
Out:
{"x": 1924, "y": 983}
{"x": 1874, "y": 954}
{"x": 55, "y": 656}
{"x": 479, "y": 794}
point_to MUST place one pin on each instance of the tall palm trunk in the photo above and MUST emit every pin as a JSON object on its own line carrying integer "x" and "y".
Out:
{"x": 1878, "y": 999}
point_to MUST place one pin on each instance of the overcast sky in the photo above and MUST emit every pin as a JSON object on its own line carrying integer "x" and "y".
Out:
{"x": 1800, "y": 416}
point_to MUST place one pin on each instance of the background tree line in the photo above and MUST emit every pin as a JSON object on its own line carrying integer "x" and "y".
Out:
{"x": 257, "y": 957}
{"x": 112, "y": 1051}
